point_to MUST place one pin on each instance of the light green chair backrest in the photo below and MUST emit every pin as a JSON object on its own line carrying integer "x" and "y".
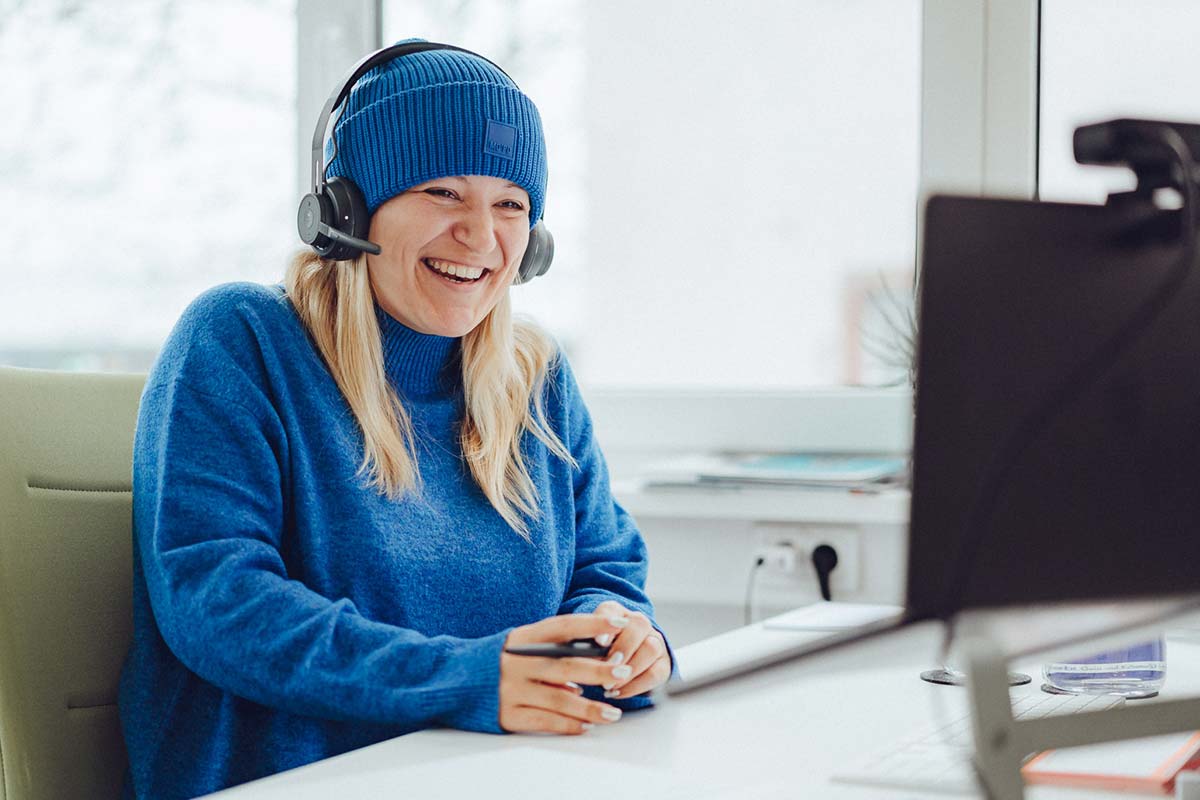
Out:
{"x": 66, "y": 443}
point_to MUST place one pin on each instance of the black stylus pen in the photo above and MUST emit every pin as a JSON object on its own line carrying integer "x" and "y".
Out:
{"x": 578, "y": 648}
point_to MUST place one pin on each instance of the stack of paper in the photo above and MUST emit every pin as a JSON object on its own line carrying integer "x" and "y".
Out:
{"x": 831, "y": 616}
{"x": 781, "y": 469}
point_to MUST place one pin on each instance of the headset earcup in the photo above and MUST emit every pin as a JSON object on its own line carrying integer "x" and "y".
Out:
{"x": 538, "y": 254}
{"x": 314, "y": 210}
{"x": 349, "y": 215}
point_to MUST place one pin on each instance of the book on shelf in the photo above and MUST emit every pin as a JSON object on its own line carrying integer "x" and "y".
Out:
{"x": 777, "y": 470}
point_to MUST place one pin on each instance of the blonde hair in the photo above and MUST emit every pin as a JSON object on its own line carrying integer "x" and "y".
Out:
{"x": 504, "y": 367}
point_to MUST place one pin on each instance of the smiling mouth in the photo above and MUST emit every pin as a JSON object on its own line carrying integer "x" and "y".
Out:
{"x": 455, "y": 273}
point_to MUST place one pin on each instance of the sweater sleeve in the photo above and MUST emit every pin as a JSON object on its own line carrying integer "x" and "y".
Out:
{"x": 209, "y": 515}
{"x": 610, "y": 555}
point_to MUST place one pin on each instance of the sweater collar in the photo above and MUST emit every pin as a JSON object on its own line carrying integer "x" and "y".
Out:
{"x": 418, "y": 364}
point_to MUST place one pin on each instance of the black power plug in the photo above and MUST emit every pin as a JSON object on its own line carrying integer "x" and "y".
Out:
{"x": 824, "y": 558}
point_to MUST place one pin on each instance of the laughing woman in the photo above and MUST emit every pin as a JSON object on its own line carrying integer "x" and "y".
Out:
{"x": 354, "y": 490}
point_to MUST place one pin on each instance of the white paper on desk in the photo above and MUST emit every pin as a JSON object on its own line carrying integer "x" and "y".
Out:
{"x": 831, "y": 616}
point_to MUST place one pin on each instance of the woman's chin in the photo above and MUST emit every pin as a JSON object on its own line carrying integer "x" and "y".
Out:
{"x": 454, "y": 327}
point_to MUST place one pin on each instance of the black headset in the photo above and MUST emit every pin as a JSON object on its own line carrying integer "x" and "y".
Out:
{"x": 333, "y": 217}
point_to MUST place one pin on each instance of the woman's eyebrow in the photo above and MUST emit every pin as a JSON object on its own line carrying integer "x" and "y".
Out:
{"x": 461, "y": 179}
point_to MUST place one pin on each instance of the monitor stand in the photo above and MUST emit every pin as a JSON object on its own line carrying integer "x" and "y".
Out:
{"x": 1002, "y": 743}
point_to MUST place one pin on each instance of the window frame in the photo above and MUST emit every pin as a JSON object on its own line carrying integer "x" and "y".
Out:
{"x": 330, "y": 38}
{"x": 979, "y": 127}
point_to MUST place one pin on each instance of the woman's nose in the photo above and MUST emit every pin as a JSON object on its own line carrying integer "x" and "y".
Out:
{"x": 476, "y": 229}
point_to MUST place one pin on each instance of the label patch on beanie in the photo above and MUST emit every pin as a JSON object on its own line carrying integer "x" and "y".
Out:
{"x": 501, "y": 139}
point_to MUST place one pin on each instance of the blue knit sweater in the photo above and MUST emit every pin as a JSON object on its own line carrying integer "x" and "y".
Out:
{"x": 284, "y": 612}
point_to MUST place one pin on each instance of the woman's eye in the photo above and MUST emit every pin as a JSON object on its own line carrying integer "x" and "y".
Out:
{"x": 512, "y": 205}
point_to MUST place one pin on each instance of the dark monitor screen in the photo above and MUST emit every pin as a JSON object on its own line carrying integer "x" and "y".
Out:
{"x": 1102, "y": 498}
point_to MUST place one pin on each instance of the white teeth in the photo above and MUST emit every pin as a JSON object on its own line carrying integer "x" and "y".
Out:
{"x": 468, "y": 273}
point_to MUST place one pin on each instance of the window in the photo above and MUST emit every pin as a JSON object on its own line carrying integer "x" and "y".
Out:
{"x": 732, "y": 186}
{"x": 149, "y": 154}
{"x": 1108, "y": 60}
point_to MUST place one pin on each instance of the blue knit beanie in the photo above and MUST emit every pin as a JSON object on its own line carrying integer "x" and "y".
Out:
{"x": 434, "y": 114}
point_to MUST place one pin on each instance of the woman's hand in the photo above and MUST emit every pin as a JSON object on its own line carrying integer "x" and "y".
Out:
{"x": 638, "y": 646}
{"x": 543, "y": 694}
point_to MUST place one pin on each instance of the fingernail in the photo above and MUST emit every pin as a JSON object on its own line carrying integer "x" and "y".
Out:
{"x": 611, "y": 713}
{"x": 618, "y": 622}
{"x": 575, "y": 685}
{"x": 623, "y": 671}
{"x": 616, "y": 658}
{"x": 613, "y": 693}
{"x": 604, "y": 639}
{"x": 608, "y": 686}
{"x": 587, "y": 726}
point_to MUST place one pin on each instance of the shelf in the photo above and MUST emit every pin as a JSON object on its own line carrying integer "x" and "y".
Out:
{"x": 777, "y": 505}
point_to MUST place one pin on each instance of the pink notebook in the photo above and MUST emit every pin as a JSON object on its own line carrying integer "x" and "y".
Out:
{"x": 1146, "y": 766}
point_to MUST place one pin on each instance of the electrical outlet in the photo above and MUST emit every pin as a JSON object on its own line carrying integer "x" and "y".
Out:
{"x": 803, "y": 539}
{"x": 779, "y": 557}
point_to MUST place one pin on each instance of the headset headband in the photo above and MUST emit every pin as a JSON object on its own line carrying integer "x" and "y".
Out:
{"x": 364, "y": 65}
{"x": 333, "y": 218}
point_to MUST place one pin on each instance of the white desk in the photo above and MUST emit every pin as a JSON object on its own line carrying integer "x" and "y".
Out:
{"x": 778, "y": 733}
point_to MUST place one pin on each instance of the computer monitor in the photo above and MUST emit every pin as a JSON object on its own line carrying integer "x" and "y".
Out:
{"x": 1050, "y": 464}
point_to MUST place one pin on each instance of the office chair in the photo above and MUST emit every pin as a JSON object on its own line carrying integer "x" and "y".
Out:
{"x": 66, "y": 443}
